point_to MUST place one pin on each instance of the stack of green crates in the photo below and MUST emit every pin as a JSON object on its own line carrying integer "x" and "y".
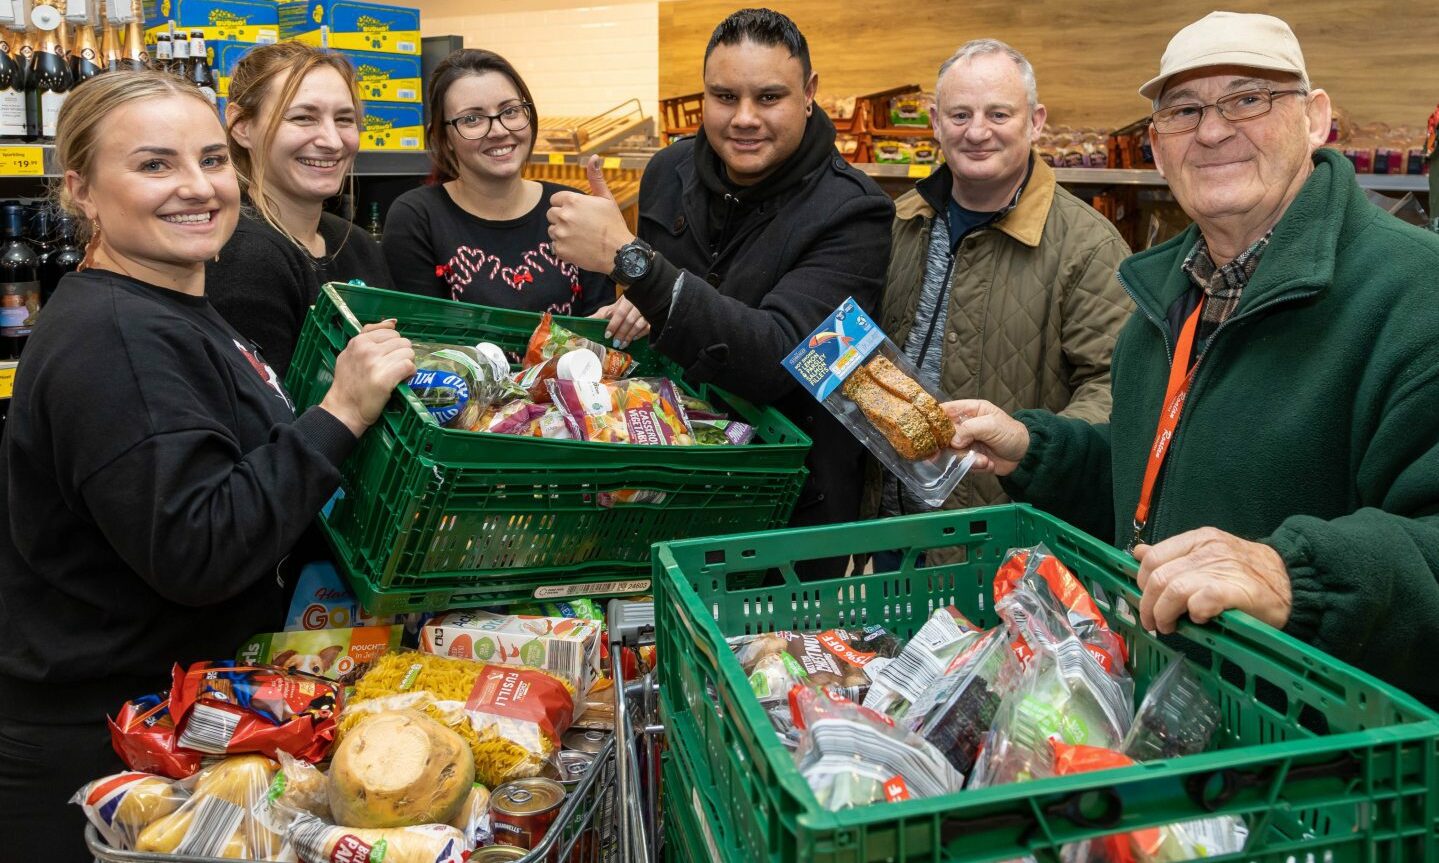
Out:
{"x": 1324, "y": 762}
{"x": 429, "y": 518}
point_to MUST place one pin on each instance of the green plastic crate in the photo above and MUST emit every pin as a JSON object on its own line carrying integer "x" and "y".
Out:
{"x": 429, "y": 518}
{"x": 687, "y": 839}
{"x": 1363, "y": 787}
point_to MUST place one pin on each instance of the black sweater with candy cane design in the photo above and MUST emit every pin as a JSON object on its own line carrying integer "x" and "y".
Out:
{"x": 436, "y": 248}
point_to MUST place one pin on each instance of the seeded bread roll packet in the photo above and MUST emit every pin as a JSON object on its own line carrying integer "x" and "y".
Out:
{"x": 852, "y": 368}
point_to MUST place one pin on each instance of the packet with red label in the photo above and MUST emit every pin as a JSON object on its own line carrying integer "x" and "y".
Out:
{"x": 143, "y": 734}
{"x": 834, "y": 658}
{"x": 852, "y": 756}
{"x": 550, "y": 340}
{"x": 1033, "y": 565}
{"x": 226, "y": 707}
{"x": 633, "y": 411}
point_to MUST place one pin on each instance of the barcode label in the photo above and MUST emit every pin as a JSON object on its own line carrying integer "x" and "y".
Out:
{"x": 211, "y": 827}
{"x": 905, "y": 678}
{"x": 563, "y": 658}
{"x": 209, "y": 729}
{"x": 307, "y": 835}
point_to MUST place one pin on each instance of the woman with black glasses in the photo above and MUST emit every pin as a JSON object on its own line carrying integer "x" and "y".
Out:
{"x": 477, "y": 230}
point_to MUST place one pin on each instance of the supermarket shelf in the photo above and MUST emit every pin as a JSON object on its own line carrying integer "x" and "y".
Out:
{"x": 1115, "y": 177}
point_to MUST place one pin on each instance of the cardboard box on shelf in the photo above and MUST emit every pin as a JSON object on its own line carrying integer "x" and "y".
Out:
{"x": 223, "y": 55}
{"x": 219, "y": 20}
{"x": 387, "y": 77}
{"x": 393, "y": 126}
{"x": 352, "y": 26}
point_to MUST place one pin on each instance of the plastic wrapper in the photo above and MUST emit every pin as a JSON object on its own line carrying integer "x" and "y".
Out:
{"x": 958, "y": 711}
{"x": 474, "y": 818}
{"x": 223, "y": 816}
{"x": 317, "y": 841}
{"x": 515, "y": 418}
{"x": 225, "y": 708}
{"x": 1189, "y": 840}
{"x": 633, "y": 411}
{"x": 852, "y": 756}
{"x": 457, "y": 383}
{"x": 1029, "y": 566}
{"x": 122, "y": 805}
{"x": 896, "y": 685}
{"x": 861, "y": 378}
{"x": 551, "y": 339}
{"x": 1177, "y": 717}
{"x": 512, "y": 717}
{"x": 838, "y": 658}
{"x": 144, "y": 736}
{"x": 721, "y": 432}
{"x": 580, "y": 364}
{"x": 299, "y": 785}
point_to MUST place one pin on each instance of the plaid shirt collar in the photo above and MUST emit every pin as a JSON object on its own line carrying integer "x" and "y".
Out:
{"x": 1221, "y": 285}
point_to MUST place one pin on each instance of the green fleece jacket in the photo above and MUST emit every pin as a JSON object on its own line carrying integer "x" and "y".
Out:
{"x": 1312, "y": 425}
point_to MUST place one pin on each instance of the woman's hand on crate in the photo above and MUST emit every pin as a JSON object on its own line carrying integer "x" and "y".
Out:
{"x": 366, "y": 372}
{"x": 1207, "y": 571}
{"x": 998, "y": 440}
{"x": 625, "y": 322}
{"x": 588, "y": 230}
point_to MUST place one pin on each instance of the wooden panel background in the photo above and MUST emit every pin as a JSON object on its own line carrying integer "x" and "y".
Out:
{"x": 1378, "y": 60}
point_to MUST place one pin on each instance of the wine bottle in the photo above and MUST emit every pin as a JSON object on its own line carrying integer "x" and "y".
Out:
{"x": 19, "y": 277}
{"x": 26, "y": 57}
{"x": 199, "y": 70}
{"x": 375, "y": 229}
{"x": 164, "y": 54}
{"x": 135, "y": 55}
{"x": 86, "y": 60}
{"x": 52, "y": 71}
{"x": 112, "y": 55}
{"x": 65, "y": 256}
{"x": 12, "y": 86}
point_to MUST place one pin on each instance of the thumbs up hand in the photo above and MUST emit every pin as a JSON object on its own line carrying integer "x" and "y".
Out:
{"x": 587, "y": 230}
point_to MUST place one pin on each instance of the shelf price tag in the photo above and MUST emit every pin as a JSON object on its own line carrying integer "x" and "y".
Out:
{"x": 557, "y": 158}
{"x": 7, "y": 380}
{"x": 22, "y": 161}
{"x": 611, "y": 163}
{"x": 919, "y": 172}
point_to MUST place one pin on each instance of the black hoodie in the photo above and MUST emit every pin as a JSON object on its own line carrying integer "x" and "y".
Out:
{"x": 758, "y": 268}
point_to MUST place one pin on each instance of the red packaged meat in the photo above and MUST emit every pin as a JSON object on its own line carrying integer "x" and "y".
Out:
{"x": 226, "y": 708}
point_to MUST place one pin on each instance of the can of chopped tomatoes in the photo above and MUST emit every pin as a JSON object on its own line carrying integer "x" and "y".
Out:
{"x": 522, "y": 811}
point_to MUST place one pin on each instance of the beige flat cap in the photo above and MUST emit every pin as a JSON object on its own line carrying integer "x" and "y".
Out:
{"x": 1229, "y": 38}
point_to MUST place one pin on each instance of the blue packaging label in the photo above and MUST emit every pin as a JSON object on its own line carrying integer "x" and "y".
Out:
{"x": 835, "y": 349}
{"x": 450, "y": 391}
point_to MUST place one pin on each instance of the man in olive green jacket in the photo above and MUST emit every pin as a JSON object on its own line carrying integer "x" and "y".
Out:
{"x": 1001, "y": 284}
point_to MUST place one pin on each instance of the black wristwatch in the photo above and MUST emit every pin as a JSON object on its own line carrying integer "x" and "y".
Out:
{"x": 632, "y": 262}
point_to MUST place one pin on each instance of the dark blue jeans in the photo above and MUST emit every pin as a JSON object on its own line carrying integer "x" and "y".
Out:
{"x": 889, "y": 561}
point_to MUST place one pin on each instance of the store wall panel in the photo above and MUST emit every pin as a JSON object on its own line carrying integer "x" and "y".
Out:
{"x": 1378, "y": 60}
{"x": 578, "y": 60}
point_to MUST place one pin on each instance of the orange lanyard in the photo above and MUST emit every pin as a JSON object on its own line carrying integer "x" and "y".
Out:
{"x": 1180, "y": 377}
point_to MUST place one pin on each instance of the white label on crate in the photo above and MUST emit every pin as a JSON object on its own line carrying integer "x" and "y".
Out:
{"x": 560, "y": 591}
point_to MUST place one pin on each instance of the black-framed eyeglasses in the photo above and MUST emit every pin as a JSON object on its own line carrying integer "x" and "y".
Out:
{"x": 1234, "y": 108}
{"x": 474, "y": 125}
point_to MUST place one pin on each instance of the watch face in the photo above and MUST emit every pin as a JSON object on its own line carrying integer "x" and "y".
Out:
{"x": 634, "y": 263}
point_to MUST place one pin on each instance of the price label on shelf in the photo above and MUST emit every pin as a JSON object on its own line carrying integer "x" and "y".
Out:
{"x": 7, "y": 379}
{"x": 919, "y": 172}
{"x": 611, "y": 163}
{"x": 557, "y": 158}
{"x": 22, "y": 161}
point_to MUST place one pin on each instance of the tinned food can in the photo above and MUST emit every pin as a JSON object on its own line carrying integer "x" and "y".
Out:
{"x": 574, "y": 764}
{"x": 522, "y": 811}
{"x": 497, "y": 854}
{"x": 587, "y": 740}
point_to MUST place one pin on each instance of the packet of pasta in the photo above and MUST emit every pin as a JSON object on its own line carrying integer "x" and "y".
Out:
{"x": 637, "y": 411}
{"x": 550, "y": 339}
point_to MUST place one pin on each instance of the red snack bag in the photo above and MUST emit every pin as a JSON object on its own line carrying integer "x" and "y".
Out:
{"x": 224, "y": 708}
{"x": 550, "y": 339}
{"x": 1120, "y": 848}
{"x": 1083, "y": 615}
{"x": 144, "y": 737}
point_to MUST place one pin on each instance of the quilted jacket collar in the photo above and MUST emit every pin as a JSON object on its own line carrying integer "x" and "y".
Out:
{"x": 1026, "y": 216}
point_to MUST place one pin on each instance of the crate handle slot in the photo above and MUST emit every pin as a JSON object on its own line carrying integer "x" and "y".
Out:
{"x": 1078, "y": 808}
{"x": 1201, "y": 787}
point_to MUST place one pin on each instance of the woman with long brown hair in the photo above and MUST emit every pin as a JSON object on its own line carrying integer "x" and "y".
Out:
{"x": 156, "y": 473}
{"x": 478, "y": 231}
{"x": 293, "y": 120}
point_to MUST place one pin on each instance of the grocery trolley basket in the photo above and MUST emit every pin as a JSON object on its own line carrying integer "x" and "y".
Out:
{"x": 638, "y": 737}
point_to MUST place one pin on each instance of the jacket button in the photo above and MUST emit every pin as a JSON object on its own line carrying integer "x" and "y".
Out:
{"x": 819, "y": 498}
{"x": 809, "y": 420}
{"x": 952, "y": 338}
{"x": 713, "y": 278}
{"x": 839, "y": 162}
{"x": 679, "y": 224}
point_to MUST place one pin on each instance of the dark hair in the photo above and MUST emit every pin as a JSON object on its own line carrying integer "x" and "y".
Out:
{"x": 762, "y": 27}
{"x": 460, "y": 64}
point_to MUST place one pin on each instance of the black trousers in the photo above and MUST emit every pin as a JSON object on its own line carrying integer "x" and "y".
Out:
{"x": 41, "y": 767}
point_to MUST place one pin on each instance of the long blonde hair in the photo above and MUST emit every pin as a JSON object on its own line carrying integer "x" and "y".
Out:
{"x": 249, "y": 85}
{"x": 79, "y": 128}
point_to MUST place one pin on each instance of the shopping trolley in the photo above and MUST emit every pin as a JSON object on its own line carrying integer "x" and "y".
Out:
{"x": 639, "y": 739}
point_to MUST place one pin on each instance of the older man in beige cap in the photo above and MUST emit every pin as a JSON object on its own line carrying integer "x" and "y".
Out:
{"x": 1274, "y": 441}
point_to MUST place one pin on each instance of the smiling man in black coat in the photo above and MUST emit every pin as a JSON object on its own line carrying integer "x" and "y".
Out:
{"x": 750, "y": 233}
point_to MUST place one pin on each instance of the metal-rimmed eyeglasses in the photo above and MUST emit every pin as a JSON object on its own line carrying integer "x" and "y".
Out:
{"x": 474, "y": 125}
{"x": 1247, "y": 105}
